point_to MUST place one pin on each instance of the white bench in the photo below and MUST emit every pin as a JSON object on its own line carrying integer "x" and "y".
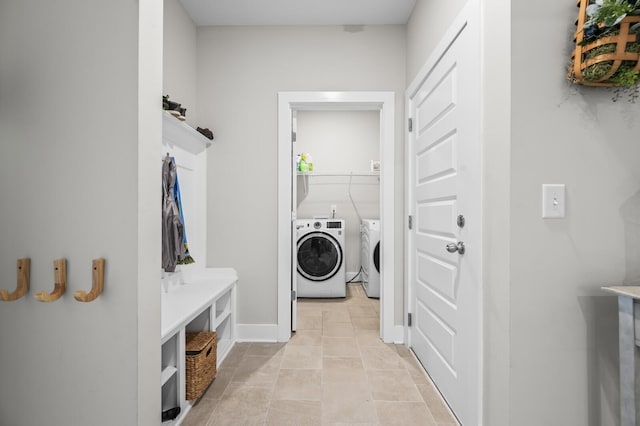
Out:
{"x": 200, "y": 300}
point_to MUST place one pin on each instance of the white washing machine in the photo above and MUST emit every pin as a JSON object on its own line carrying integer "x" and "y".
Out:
{"x": 321, "y": 258}
{"x": 370, "y": 256}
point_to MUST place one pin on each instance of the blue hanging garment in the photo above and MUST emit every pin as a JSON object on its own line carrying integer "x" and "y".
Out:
{"x": 186, "y": 258}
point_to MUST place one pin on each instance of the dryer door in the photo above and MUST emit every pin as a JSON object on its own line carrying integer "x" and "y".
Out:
{"x": 376, "y": 257}
{"x": 319, "y": 256}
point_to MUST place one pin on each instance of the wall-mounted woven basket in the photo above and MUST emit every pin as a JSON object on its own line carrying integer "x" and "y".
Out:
{"x": 612, "y": 52}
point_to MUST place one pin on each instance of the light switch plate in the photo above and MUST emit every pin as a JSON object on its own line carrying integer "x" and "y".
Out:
{"x": 553, "y": 201}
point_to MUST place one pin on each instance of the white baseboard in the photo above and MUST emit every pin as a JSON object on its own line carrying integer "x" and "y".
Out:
{"x": 399, "y": 335}
{"x": 257, "y": 332}
{"x": 269, "y": 333}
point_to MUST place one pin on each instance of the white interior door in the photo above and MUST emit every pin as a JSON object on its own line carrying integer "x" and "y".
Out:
{"x": 445, "y": 184}
{"x": 294, "y": 231}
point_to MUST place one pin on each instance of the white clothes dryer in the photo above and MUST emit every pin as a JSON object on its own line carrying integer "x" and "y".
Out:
{"x": 321, "y": 258}
{"x": 370, "y": 257}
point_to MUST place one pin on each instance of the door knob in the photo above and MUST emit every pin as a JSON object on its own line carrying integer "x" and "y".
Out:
{"x": 452, "y": 248}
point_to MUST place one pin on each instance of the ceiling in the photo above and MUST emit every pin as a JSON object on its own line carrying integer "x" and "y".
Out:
{"x": 299, "y": 12}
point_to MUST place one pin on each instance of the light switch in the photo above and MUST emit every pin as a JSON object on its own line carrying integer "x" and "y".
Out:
{"x": 553, "y": 201}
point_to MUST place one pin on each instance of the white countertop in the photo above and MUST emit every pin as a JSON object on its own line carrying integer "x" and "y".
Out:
{"x": 625, "y": 290}
{"x": 185, "y": 302}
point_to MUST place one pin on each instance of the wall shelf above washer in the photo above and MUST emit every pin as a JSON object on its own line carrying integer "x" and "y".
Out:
{"x": 179, "y": 133}
{"x": 304, "y": 176}
{"x": 346, "y": 174}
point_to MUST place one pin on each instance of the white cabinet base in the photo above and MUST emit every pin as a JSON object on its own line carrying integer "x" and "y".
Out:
{"x": 205, "y": 302}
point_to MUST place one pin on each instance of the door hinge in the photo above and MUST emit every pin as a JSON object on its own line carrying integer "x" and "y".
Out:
{"x": 293, "y": 295}
{"x": 410, "y": 222}
{"x": 409, "y": 319}
{"x": 410, "y": 124}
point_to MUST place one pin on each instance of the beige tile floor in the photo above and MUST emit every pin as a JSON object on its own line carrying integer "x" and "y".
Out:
{"x": 334, "y": 371}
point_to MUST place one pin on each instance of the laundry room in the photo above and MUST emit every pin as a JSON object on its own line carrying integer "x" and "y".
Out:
{"x": 341, "y": 179}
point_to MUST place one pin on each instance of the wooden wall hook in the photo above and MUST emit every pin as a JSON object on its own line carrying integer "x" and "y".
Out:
{"x": 60, "y": 283}
{"x": 23, "y": 282}
{"x": 97, "y": 283}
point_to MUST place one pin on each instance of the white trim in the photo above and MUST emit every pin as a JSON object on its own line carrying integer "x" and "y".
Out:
{"x": 257, "y": 332}
{"x": 387, "y": 216}
{"x": 383, "y": 102}
{"x": 408, "y": 240}
{"x": 147, "y": 353}
{"x": 399, "y": 335}
{"x": 443, "y": 402}
{"x": 285, "y": 188}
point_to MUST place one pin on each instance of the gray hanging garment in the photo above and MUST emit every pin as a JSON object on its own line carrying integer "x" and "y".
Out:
{"x": 172, "y": 229}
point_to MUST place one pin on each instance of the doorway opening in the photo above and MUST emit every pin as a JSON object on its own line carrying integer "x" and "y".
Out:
{"x": 343, "y": 148}
{"x": 289, "y": 104}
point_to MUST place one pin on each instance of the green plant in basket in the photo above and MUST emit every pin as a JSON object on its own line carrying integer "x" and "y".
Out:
{"x": 607, "y": 66}
{"x": 610, "y": 12}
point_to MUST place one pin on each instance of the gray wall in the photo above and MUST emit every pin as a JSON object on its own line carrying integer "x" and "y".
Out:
{"x": 70, "y": 176}
{"x": 427, "y": 24}
{"x": 563, "y": 326}
{"x": 179, "y": 59}
{"x": 240, "y": 72}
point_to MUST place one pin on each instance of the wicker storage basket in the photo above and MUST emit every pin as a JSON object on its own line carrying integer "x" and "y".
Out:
{"x": 617, "y": 50}
{"x": 200, "y": 362}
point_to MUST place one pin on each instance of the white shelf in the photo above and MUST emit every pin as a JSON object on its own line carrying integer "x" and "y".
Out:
{"x": 221, "y": 316}
{"x": 181, "y": 305}
{"x": 167, "y": 373}
{"x": 306, "y": 180}
{"x": 179, "y": 133}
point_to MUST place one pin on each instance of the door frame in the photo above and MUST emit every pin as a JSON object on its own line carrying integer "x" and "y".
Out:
{"x": 288, "y": 102}
{"x": 470, "y": 16}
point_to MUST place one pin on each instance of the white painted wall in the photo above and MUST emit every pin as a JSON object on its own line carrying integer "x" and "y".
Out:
{"x": 240, "y": 72}
{"x": 179, "y": 80}
{"x": 340, "y": 142}
{"x": 550, "y": 333}
{"x": 70, "y": 178}
{"x": 563, "y": 326}
{"x": 427, "y": 24}
{"x": 179, "y": 59}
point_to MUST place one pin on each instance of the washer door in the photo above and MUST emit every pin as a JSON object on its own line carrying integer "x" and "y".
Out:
{"x": 319, "y": 256}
